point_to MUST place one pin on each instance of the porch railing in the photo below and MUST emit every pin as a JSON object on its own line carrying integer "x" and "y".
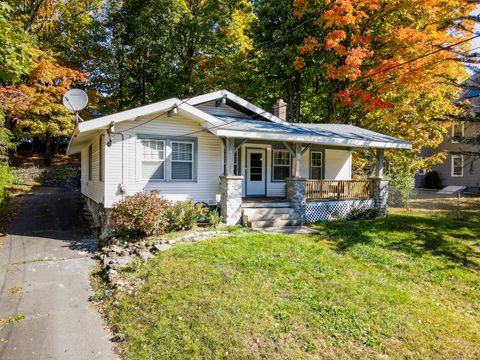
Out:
{"x": 338, "y": 189}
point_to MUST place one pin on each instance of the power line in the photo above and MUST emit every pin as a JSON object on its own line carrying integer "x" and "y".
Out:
{"x": 415, "y": 59}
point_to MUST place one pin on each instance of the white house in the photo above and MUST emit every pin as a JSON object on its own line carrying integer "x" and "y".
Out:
{"x": 220, "y": 149}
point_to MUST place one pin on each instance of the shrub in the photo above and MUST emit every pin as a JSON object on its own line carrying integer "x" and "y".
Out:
{"x": 400, "y": 189}
{"x": 183, "y": 215}
{"x": 432, "y": 180}
{"x": 140, "y": 215}
{"x": 7, "y": 177}
{"x": 214, "y": 219}
{"x": 361, "y": 214}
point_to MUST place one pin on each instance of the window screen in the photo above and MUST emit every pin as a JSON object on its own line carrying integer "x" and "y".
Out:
{"x": 153, "y": 161}
{"x": 281, "y": 165}
{"x": 316, "y": 158}
{"x": 457, "y": 131}
{"x": 457, "y": 165}
{"x": 182, "y": 161}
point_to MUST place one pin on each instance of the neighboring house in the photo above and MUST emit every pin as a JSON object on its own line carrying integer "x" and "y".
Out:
{"x": 461, "y": 167}
{"x": 222, "y": 150}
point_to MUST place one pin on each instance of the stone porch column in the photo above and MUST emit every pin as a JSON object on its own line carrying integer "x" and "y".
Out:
{"x": 295, "y": 188}
{"x": 380, "y": 194}
{"x": 380, "y": 186}
{"x": 231, "y": 199}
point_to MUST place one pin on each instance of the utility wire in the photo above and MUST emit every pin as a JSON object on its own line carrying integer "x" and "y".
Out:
{"x": 415, "y": 59}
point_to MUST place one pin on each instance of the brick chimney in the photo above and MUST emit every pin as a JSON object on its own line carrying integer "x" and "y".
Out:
{"x": 280, "y": 109}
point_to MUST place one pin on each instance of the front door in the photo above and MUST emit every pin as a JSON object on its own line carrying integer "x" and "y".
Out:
{"x": 256, "y": 172}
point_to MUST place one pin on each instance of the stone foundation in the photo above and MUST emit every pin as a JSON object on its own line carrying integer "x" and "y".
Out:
{"x": 231, "y": 199}
{"x": 101, "y": 217}
{"x": 380, "y": 194}
{"x": 295, "y": 188}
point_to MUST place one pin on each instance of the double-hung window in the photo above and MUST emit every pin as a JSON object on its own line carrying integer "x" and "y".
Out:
{"x": 153, "y": 159}
{"x": 236, "y": 163}
{"x": 182, "y": 160}
{"x": 100, "y": 158}
{"x": 90, "y": 162}
{"x": 457, "y": 165}
{"x": 316, "y": 165}
{"x": 457, "y": 131}
{"x": 281, "y": 165}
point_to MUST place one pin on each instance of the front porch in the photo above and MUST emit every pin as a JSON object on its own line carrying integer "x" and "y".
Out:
{"x": 305, "y": 200}
{"x": 282, "y": 183}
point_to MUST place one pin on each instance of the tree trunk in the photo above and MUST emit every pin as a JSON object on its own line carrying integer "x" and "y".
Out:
{"x": 48, "y": 150}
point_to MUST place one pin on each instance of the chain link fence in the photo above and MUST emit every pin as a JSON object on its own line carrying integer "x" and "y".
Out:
{"x": 432, "y": 200}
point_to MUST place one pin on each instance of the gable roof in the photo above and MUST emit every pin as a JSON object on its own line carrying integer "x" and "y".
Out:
{"x": 256, "y": 124}
{"x": 84, "y": 131}
{"x": 235, "y": 99}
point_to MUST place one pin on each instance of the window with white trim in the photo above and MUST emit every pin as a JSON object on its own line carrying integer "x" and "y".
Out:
{"x": 236, "y": 162}
{"x": 100, "y": 158}
{"x": 458, "y": 131}
{"x": 90, "y": 162}
{"x": 316, "y": 165}
{"x": 182, "y": 160}
{"x": 457, "y": 165}
{"x": 281, "y": 165}
{"x": 153, "y": 159}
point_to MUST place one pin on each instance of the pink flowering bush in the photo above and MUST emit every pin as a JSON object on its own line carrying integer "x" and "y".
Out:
{"x": 140, "y": 215}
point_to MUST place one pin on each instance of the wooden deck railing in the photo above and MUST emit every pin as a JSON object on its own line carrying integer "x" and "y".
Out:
{"x": 338, "y": 189}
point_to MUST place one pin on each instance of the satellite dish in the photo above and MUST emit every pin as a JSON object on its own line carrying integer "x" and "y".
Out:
{"x": 75, "y": 100}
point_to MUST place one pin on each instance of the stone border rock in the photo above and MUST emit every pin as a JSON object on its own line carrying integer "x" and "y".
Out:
{"x": 115, "y": 257}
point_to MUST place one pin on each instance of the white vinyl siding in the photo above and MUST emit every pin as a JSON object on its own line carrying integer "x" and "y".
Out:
{"x": 282, "y": 165}
{"x": 153, "y": 160}
{"x": 337, "y": 164}
{"x": 207, "y": 159}
{"x": 457, "y": 165}
{"x": 92, "y": 163}
{"x": 182, "y": 160}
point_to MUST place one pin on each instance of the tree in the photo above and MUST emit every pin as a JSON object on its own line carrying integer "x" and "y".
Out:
{"x": 44, "y": 116}
{"x": 369, "y": 76}
{"x": 162, "y": 48}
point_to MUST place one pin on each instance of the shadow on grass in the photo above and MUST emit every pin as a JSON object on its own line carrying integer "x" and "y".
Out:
{"x": 439, "y": 235}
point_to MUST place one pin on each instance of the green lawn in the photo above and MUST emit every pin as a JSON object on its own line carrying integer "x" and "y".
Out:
{"x": 407, "y": 286}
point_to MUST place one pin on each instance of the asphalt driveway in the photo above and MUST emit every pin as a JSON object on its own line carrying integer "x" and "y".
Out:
{"x": 44, "y": 283}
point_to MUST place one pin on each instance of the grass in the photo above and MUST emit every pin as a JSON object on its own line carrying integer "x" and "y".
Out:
{"x": 406, "y": 286}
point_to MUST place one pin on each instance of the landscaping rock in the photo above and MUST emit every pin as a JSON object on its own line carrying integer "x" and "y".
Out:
{"x": 145, "y": 255}
{"x": 121, "y": 262}
{"x": 162, "y": 247}
{"x": 107, "y": 261}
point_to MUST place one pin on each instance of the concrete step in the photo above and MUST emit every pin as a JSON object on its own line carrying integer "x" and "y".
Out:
{"x": 270, "y": 211}
{"x": 265, "y": 205}
{"x": 275, "y": 223}
{"x": 264, "y": 217}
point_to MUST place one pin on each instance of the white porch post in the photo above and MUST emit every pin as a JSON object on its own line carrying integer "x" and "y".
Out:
{"x": 298, "y": 158}
{"x": 295, "y": 186}
{"x": 380, "y": 190}
{"x": 230, "y": 188}
{"x": 380, "y": 163}
{"x": 230, "y": 156}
